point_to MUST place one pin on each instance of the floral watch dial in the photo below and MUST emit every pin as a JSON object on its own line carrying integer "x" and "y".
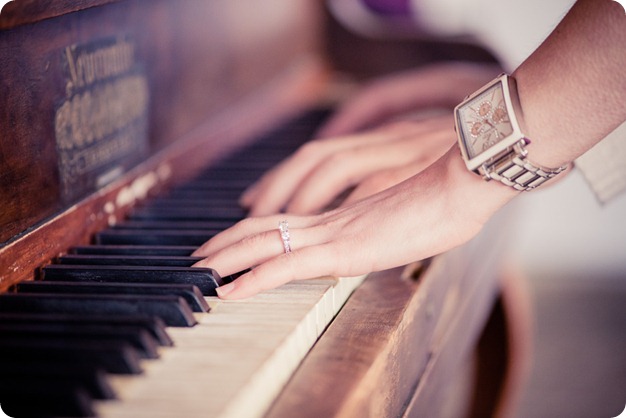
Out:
{"x": 484, "y": 121}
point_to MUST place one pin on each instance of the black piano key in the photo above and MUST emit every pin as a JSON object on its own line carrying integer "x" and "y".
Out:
{"x": 193, "y": 202}
{"x": 207, "y": 280}
{"x": 213, "y": 188}
{"x": 151, "y": 324}
{"x": 257, "y": 158}
{"x": 37, "y": 384}
{"x": 189, "y": 292}
{"x": 128, "y": 260}
{"x": 148, "y": 250}
{"x": 215, "y": 225}
{"x": 192, "y": 191}
{"x": 112, "y": 356}
{"x": 46, "y": 402}
{"x": 236, "y": 173}
{"x": 44, "y": 375}
{"x": 121, "y": 236}
{"x": 261, "y": 158}
{"x": 173, "y": 310}
{"x": 140, "y": 339}
{"x": 193, "y": 214}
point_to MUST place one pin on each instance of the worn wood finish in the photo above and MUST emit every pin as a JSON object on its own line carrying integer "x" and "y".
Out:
{"x": 357, "y": 369}
{"x": 454, "y": 347}
{"x": 22, "y": 12}
{"x": 382, "y": 345}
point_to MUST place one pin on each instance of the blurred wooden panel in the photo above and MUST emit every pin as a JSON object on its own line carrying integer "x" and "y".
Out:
{"x": 88, "y": 92}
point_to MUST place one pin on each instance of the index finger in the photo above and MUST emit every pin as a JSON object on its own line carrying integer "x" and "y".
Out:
{"x": 309, "y": 262}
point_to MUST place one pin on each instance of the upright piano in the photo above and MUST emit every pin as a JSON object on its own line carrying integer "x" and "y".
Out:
{"x": 128, "y": 129}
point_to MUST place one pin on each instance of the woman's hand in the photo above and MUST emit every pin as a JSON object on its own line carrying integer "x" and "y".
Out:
{"x": 318, "y": 172}
{"x": 436, "y": 210}
{"x": 312, "y": 178}
{"x": 382, "y": 180}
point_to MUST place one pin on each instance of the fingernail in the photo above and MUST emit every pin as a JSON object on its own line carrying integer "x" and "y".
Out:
{"x": 225, "y": 289}
{"x": 200, "y": 263}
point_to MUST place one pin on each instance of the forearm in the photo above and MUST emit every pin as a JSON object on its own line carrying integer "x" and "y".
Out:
{"x": 572, "y": 88}
{"x": 572, "y": 92}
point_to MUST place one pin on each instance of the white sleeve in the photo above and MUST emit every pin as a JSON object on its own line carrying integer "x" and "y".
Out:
{"x": 510, "y": 29}
{"x": 604, "y": 165}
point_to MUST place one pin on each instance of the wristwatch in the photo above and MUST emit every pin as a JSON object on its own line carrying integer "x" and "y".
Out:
{"x": 492, "y": 144}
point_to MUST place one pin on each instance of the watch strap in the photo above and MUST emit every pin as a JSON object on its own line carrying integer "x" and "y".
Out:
{"x": 516, "y": 171}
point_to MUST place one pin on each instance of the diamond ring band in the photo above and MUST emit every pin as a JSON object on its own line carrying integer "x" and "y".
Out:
{"x": 283, "y": 227}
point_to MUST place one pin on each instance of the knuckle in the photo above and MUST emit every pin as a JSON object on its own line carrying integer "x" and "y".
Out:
{"x": 252, "y": 241}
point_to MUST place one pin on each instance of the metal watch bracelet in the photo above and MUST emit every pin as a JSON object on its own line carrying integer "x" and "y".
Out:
{"x": 516, "y": 171}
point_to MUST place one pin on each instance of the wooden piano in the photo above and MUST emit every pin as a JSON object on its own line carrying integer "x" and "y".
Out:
{"x": 128, "y": 129}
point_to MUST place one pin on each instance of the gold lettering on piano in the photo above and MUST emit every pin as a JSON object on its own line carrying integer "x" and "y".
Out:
{"x": 86, "y": 68}
{"x": 95, "y": 114}
{"x": 101, "y": 126}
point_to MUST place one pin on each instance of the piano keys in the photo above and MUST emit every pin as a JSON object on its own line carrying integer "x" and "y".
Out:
{"x": 233, "y": 363}
{"x": 206, "y": 280}
{"x": 190, "y": 293}
{"x": 272, "y": 331}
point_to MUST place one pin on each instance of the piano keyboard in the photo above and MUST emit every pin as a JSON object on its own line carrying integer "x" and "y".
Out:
{"x": 126, "y": 327}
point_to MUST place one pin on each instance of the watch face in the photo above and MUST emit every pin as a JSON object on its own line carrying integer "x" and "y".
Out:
{"x": 484, "y": 121}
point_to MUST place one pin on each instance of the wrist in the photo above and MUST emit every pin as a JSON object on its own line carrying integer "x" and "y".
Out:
{"x": 479, "y": 198}
{"x": 540, "y": 124}
{"x": 492, "y": 138}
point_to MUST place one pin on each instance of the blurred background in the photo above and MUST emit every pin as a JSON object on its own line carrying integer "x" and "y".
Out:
{"x": 573, "y": 256}
{"x": 570, "y": 251}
